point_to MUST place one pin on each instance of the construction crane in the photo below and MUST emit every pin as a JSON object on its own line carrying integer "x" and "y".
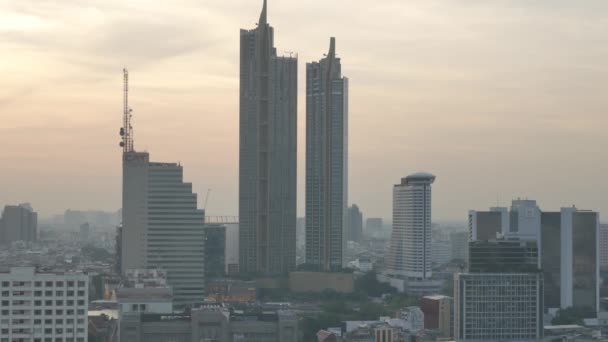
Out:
{"x": 126, "y": 131}
{"x": 206, "y": 199}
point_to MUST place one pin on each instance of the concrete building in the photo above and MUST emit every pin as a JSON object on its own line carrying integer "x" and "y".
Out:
{"x": 326, "y": 161}
{"x": 498, "y": 307}
{"x": 215, "y": 251}
{"x": 321, "y": 281}
{"x": 500, "y": 256}
{"x": 210, "y": 323}
{"x": 438, "y": 315}
{"x": 410, "y": 246}
{"x": 522, "y": 221}
{"x": 460, "y": 245}
{"x": 354, "y": 224}
{"x": 43, "y": 306}
{"x": 18, "y": 223}
{"x": 267, "y": 153}
{"x": 569, "y": 244}
{"x": 162, "y": 227}
{"x": 603, "y": 247}
{"x": 570, "y": 259}
{"x": 441, "y": 252}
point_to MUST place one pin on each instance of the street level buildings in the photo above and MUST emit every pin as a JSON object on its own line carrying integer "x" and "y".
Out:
{"x": 267, "y": 153}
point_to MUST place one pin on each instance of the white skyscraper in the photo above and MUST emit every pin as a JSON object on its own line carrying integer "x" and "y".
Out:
{"x": 410, "y": 250}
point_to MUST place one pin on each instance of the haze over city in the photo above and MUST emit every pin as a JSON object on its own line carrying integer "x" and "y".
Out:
{"x": 498, "y": 99}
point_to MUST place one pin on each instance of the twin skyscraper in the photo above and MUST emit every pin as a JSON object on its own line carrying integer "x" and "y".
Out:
{"x": 268, "y": 156}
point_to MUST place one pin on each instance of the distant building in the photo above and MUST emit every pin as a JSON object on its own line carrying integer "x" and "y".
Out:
{"x": 85, "y": 231}
{"x": 326, "y": 162}
{"x": 522, "y": 221}
{"x": 43, "y": 305}
{"x": 409, "y": 254}
{"x": 438, "y": 315}
{"x": 211, "y": 323}
{"x": 373, "y": 226}
{"x": 18, "y": 223}
{"x": 267, "y": 153}
{"x": 413, "y": 318}
{"x": 215, "y": 251}
{"x": 460, "y": 245}
{"x": 603, "y": 247}
{"x": 441, "y": 252}
{"x": 231, "y": 291}
{"x": 354, "y": 224}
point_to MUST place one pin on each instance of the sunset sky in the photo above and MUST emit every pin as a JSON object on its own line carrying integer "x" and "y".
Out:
{"x": 498, "y": 98}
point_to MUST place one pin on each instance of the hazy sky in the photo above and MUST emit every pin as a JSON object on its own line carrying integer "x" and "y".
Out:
{"x": 498, "y": 98}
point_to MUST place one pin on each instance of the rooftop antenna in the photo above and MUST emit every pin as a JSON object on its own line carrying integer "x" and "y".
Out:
{"x": 126, "y": 131}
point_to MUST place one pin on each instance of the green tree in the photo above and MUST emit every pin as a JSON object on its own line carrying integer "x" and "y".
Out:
{"x": 569, "y": 315}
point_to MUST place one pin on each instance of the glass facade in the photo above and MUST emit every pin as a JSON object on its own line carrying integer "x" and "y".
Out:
{"x": 584, "y": 260}
{"x": 551, "y": 255}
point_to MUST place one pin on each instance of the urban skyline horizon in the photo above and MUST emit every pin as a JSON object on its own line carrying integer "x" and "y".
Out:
{"x": 547, "y": 183}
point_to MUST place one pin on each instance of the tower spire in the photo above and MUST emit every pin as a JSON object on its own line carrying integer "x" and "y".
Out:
{"x": 332, "y": 48}
{"x": 126, "y": 131}
{"x": 264, "y": 15}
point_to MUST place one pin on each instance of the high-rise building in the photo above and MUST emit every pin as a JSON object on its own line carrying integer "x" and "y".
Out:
{"x": 267, "y": 153}
{"x": 569, "y": 244}
{"x": 522, "y": 221}
{"x": 18, "y": 223}
{"x": 409, "y": 254}
{"x": 354, "y": 224}
{"x": 603, "y": 245}
{"x": 498, "y": 307}
{"x": 501, "y": 298}
{"x": 569, "y": 259}
{"x": 43, "y": 306}
{"x": 215, "y": 250}
{"x": 460, "y": 245}
{"x": 499, "y": 256}
{"x": 162, "y": 226}
{"x": 326, "y": 161}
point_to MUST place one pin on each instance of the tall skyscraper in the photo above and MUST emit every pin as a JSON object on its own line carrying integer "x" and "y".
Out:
{"x": 161, "y": 225}
{"x": 267, "y": 153}
{"x": 603, "y": 252}
{"x": 18, "y": 223}
{"x": 410, "y": 249}
{"x": 326, "y": 161}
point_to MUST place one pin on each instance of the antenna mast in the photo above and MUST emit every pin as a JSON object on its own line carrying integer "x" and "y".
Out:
{"x": 126, "y": 132}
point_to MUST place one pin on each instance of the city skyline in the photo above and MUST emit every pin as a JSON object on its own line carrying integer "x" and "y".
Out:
{"x": 535, "y": 120}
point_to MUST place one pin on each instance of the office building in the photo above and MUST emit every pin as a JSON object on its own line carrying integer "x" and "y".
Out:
{"x": 460, "y": 245}
{"x": 409, "y": 254}
{"x": 522, "y": 221}
{"x": 441, "y": 252}
{"x": 503, "y": 255}
{"x": 326, "y": 161}
{"x": 498, "y": 307}
{"x": 211, "y": 323}
{"x": 354, "y": 224}
{"x": 215, "y": 251}
{"x": 267, "y": 153}
{"x": 569, "y": 259}
{"x": 162, "y": 227}
{"x": 437, "y": 311}
{"x": 18, "y": 223}
{"x": 603, "y": 247}
{"x": 43, "y": 306}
